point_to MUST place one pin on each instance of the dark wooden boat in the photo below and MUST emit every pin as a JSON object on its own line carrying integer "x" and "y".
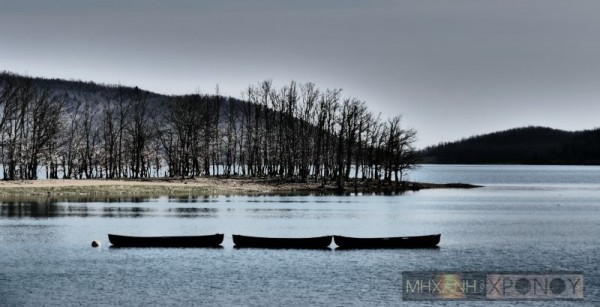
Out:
{"x": 183, "y": 241}
{"x": 262, "y": 242}
{"x": 392, "y": 242}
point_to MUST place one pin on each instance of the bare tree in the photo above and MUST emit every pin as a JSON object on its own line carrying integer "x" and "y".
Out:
{"x": 293, "y": 133}
{"x": 139, "y": 133}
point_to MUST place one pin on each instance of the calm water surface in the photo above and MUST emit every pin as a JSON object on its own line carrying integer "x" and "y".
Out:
{"x": 527, "y": 218}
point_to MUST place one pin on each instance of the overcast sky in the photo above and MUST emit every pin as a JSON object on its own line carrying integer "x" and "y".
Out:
{"x": 450, "y": 68}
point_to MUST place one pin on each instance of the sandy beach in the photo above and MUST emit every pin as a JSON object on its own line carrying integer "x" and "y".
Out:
{"x": 200, "y": 186}
{"x": 131, "y": 187}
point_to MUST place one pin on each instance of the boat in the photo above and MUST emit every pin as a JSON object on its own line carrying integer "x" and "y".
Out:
{"x": 265, "y": 242}
{"x": 180, "y": 241}
{"x": 390, "y": 242}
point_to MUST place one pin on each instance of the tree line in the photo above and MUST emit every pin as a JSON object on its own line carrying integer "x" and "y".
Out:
{"x": 297, "y": 132}
{"x": 526, "y": 145}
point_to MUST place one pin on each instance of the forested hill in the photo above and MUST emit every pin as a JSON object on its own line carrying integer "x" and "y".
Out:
{"x": 527, "y": 145}
{"x": 297, "y": 132}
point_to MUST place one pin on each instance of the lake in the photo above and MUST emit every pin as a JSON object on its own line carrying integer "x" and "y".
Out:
{"x": 526, "y": 218}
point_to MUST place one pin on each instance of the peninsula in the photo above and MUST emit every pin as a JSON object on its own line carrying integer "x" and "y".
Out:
{"x": 198, "y": 186}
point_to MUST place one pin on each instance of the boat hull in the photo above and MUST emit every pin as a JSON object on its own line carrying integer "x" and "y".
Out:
{"x": 263, "y": 242}
{"x": 391, "y": 242}
{"x": 180, "y": 241}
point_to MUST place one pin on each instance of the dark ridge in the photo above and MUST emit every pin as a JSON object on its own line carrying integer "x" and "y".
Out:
{"x": 526, "y": 145}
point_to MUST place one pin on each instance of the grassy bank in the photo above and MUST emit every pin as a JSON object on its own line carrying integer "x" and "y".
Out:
{"x": 199, "y": 186}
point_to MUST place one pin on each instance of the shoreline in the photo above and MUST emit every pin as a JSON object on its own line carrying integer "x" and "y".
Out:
{"x": 200, "y": 186}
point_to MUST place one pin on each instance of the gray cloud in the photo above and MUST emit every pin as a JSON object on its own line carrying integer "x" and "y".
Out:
{"x": 451, "y": 68}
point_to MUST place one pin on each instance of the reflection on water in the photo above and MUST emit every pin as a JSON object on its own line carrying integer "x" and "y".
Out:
{"x": 39, "y": 210}
{"x": 52, "y": 210}
{"x": 191, "y": 199}
{"x": 145, "y": 206}
{"x": 124, "y": 211}
{"x": 193, "y": 212}
{"x": 99, "y": 207}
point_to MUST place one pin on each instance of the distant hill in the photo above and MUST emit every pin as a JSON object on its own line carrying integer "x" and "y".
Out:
{"x": 77, "y": 92}
{"x": 527, "y": 145}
